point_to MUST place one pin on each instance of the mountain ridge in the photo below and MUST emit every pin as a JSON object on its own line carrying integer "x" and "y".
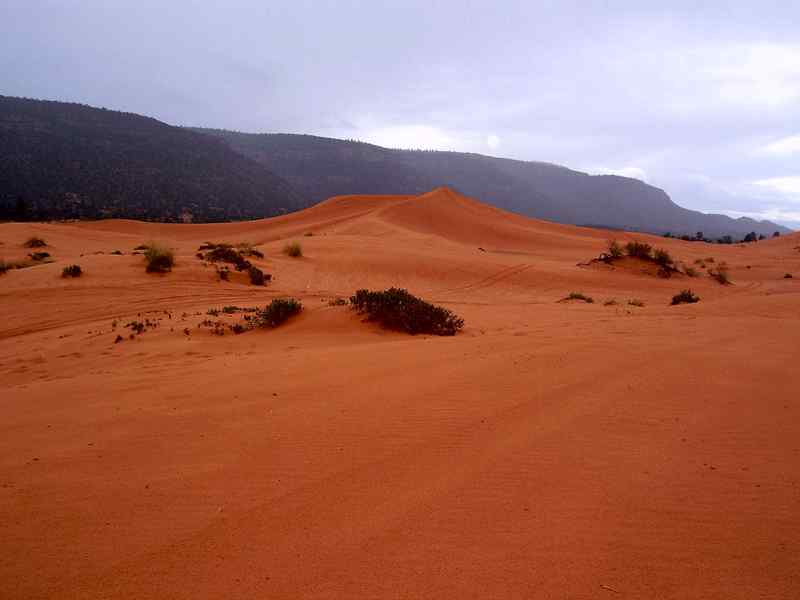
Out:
{"x": 320, "y": 167}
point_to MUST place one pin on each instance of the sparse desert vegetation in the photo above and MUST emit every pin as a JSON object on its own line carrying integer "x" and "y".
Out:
{"x": 685, "y": 297}
{"x": 397, "y": 309}
{"x": 578, "y": 296}
{"x": 293, "y": 249}
{"x": 276, "y": 312}
{"x": 636, "y": 302}
{"x": 637, "y": 249}
{"x": 720, "y": 274}
{"x": 72, "y": 271}
{"x": 159, "y": 258}
{"x": 236, "y": 256}
{"x": 35, "y": 242}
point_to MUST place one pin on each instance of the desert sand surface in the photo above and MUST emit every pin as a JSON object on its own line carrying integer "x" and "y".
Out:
{"x": 549, "y": 450}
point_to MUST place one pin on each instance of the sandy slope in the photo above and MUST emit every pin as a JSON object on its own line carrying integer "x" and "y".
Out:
{"x": 550, "y": 450}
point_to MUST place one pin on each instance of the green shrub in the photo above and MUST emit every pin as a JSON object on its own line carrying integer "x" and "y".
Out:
{"x": 691, "y": 272}
{"x": 397, "y": 309}
{"x": 160, "y": 259}
{"x": 293, "y": 249}
{"x": 72, "y": 271}
{"x": 276, "y": 312}
{"x": 614, "y": 249}
{"x": 685, "y": 297}
{"x": 639, "y": 250}
{"x": 35, "y": 242}
{"x": 39, "y": 256}
{"x": 257, "y": 276}
{"x": 662, "y": 258}
{"x": 578, "y": 296}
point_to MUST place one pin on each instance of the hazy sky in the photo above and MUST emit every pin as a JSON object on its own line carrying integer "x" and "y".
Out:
{"x": 699, "y": 98}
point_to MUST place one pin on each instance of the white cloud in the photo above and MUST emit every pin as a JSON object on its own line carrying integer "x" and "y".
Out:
{"x": 493, "y": 142}
{"x": 783, "y": 146}
{"x": 785, "y": 185}
{"x": 420, "y": 137}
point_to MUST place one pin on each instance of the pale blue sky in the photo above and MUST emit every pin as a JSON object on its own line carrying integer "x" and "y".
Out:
{"x": 702, "y": 101}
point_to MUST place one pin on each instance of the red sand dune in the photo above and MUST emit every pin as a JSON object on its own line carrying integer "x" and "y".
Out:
{"x": 550, "y": 450}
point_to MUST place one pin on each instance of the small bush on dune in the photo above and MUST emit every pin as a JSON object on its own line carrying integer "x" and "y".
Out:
{"x": 691, "y": 272}
{"x": 611, "y": 302}
{"x": 788, "y": 275}
{"x": 397, "y": 309}
{"x": 578, "y": 296}
{"x": 639, "y": 250}
{"x": 635, "y": 302}
{"x": 293, "y": 249}
{"x": 3, "y": 266}
{"x": 276, "y": 312}
{"x": 35, "y": 242}
{"x": 720, "y": 274}
{"x": 160, "y": 259}
{"x": 39, "y": 256}
{"x": 257, "y": 276}
{"x": 662, "y": 258}
{"x": 685, "y": 297}
{"x": 247, "y": 249}
{"x": 72, "y": 271}
{"x": 614, "y": 249}
{"x": 141, "y": 247}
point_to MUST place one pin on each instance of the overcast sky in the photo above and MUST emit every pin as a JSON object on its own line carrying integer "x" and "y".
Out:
{"x": 699, "y": 98}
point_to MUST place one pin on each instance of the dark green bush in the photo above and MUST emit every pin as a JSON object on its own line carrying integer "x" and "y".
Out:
{"x": 578, "y": 296}
{"x": 228, "y": 254}
{"x": 276, "y": 312}
{"x": 35, "y": 242}
{"x": 72, "y": 271}
{"x": 257, "y": 276}
{"x": 397, "y": 309}
{"x": 685, "y": 297}
{"x": 160, "y": 259}
{"x": 639, "y": 250}
{"x": 39, "y": 256}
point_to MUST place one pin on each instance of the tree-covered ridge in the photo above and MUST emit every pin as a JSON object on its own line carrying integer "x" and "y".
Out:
{"x": 62, "y": 161}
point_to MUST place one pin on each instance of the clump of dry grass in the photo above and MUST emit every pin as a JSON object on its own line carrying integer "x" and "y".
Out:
{"x": 293, "y": 249}
{"x": 160, "y": 259}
